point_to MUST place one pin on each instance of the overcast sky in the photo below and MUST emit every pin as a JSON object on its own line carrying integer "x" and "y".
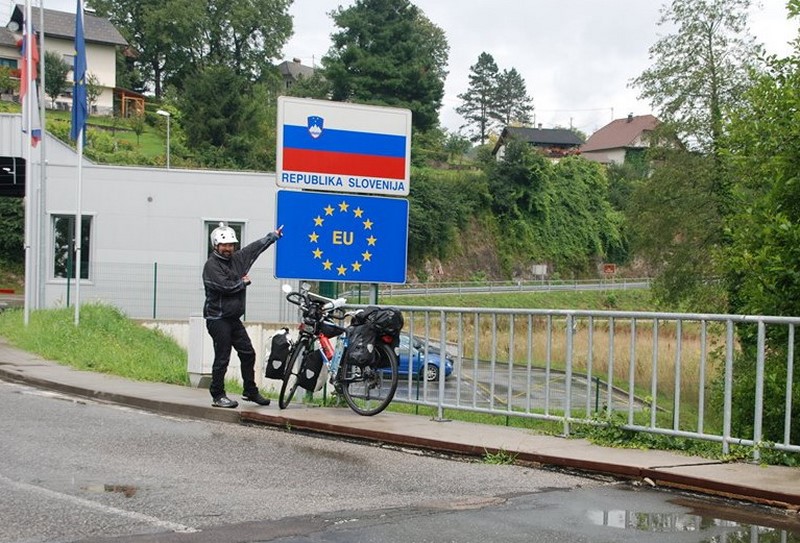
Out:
{"x": 576, "y": 56}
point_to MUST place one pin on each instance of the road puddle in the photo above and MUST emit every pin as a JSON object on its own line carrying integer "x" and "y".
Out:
{"x": 723, "y": 523}
{"x": 128, "y": 491}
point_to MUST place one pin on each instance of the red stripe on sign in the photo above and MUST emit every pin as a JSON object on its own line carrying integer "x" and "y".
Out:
{"x": 6, "y": 291}
{"x": 352, "y": 164}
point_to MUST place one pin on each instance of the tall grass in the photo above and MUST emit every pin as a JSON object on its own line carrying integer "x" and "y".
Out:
{"x": 106, "y": 341}
{"x": 673, "y": 363}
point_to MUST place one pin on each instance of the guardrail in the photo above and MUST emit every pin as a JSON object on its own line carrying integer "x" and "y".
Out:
{"x": 663, "y": 373}
{"x": 357, "y": 291}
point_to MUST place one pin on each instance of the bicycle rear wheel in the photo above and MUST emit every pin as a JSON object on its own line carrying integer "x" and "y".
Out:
{"x": 289, "y": 386}
{"x": 369, "y": 389}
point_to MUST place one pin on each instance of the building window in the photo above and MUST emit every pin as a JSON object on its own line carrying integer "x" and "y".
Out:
{"x": 64, "y": 246}
{"x": 9, "y": 62}
{"x": 238, "y": 227}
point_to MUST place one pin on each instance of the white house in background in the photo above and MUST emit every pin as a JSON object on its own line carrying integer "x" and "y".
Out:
{"x": 9, "y": 52}
{"x": 102, "y": 40}
{"x": 616, "y": 140}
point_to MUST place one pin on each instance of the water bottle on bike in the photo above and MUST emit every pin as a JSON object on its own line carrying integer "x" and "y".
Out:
{"x": 341, "y": 344}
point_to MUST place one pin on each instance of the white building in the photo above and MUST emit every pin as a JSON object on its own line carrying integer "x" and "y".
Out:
{"x": 146, "y": 230}
{"x": 102, "y": 40}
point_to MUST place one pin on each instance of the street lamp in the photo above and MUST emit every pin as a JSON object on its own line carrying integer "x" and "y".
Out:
{"x": 167, "y": 115}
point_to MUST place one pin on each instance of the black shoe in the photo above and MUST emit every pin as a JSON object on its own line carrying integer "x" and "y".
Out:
{"x": 224, "y": 401}
{"x": 256, "y": 397}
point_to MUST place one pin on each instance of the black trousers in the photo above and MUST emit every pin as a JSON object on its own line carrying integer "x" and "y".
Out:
{"x": 227, "y": 334}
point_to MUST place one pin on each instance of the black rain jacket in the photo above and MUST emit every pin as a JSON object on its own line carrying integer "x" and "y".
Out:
{"x": 222, "y": 278}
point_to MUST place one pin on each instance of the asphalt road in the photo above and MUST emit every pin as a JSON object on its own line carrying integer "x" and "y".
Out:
{"x": 76, "y": 470}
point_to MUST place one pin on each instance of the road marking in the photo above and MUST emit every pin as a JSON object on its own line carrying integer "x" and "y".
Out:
{"x": 100, "y": 507}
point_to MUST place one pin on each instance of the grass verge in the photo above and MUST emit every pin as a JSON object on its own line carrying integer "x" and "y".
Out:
{"x": 106, "y": 341}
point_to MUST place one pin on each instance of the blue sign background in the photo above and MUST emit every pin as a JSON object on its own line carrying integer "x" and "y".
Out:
{"x": 341, "y": 237}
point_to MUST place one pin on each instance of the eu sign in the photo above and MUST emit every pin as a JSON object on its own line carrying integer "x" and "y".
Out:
{"x": 342, "y": 237}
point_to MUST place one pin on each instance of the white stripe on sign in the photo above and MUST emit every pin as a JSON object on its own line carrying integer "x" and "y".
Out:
{"x": 346, "y": 116}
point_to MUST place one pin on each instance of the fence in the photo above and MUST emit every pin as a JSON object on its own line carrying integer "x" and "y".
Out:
{"x": 663, "y": 373}
{"x": 161, "y": 291}
{"x": 171, "y": 291}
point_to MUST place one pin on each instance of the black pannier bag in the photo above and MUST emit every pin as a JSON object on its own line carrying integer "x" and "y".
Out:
{"x": 361, "y": 340}
{"x": 387, "y": 321}
{"x": 367, "y": 327}
{"x": 310, "y": 370}
{"x": 278, "y": 355}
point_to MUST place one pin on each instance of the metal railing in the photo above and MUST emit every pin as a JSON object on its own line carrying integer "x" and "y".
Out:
{"x": 463, "y": 287}
{"x": 664, "y": 373}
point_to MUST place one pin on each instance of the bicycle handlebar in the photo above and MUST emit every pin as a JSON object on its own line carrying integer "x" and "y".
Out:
{"x": 329, "y": 304}
{"x": 304, "y": 295}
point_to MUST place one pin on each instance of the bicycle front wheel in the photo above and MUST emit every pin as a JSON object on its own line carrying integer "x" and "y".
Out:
{"x": 289, "y": 386}
{"x": 369, "y": 389}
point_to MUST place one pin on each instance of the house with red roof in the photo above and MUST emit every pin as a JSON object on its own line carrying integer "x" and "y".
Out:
{"x": 613, "y": 143}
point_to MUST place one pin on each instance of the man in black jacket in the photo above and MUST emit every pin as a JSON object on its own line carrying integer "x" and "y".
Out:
{"x": 225, "y": 277}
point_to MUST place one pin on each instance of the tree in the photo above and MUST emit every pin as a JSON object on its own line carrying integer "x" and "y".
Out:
{"x": 55, "y": 75}
{"x": 700, "y": 69}
{"x": 674, "y": 223}
{"x": 175, "y": 39}
{"x": 763, "y": 144}
{"x": 760, "y": 262}
{"x": 315, "y": 86}
{"x": 700, "y": 72}
{"x": 387, "y": 52}
{"x": 136, "y": 123}
{"x": 479, "y": 99}
{"x": 556, "y": 213}
{"x": 511, "y": 104}
{"x": 456, "y": 146}
{"x": 7, "y": 82}
{"x": 93, "y": 90}
{"x": 229, "y": 131}
{"x": 244, "y": 34}
{"x": 12, "y": 218}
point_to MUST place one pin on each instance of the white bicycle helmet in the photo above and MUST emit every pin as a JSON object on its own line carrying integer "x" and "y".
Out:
{"x": 223, "y": 234}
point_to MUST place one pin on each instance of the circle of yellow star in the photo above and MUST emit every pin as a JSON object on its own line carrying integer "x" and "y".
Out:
{"x": 314, "y": 237}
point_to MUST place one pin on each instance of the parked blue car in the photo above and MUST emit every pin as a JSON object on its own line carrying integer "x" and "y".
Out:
{"x": 428, "y": 366}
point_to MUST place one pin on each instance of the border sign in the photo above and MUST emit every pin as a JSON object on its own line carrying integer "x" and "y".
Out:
{"x": 342, "y": 237}
{"x": 343, "y": 147}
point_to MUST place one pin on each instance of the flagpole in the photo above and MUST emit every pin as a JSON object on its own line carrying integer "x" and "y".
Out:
{"x": 78, "y": 222}
{"x": 42, "y": 214}
{"x": 79, "y": 113}
{"x": 26, "y": 121}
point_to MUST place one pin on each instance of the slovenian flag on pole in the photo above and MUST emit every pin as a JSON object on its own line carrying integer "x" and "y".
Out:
{"x": 79, "y": 105}
{"x": 28, "y": 75}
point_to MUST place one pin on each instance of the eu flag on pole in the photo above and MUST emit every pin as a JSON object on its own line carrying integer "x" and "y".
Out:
{"x": 79, "y": 106}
